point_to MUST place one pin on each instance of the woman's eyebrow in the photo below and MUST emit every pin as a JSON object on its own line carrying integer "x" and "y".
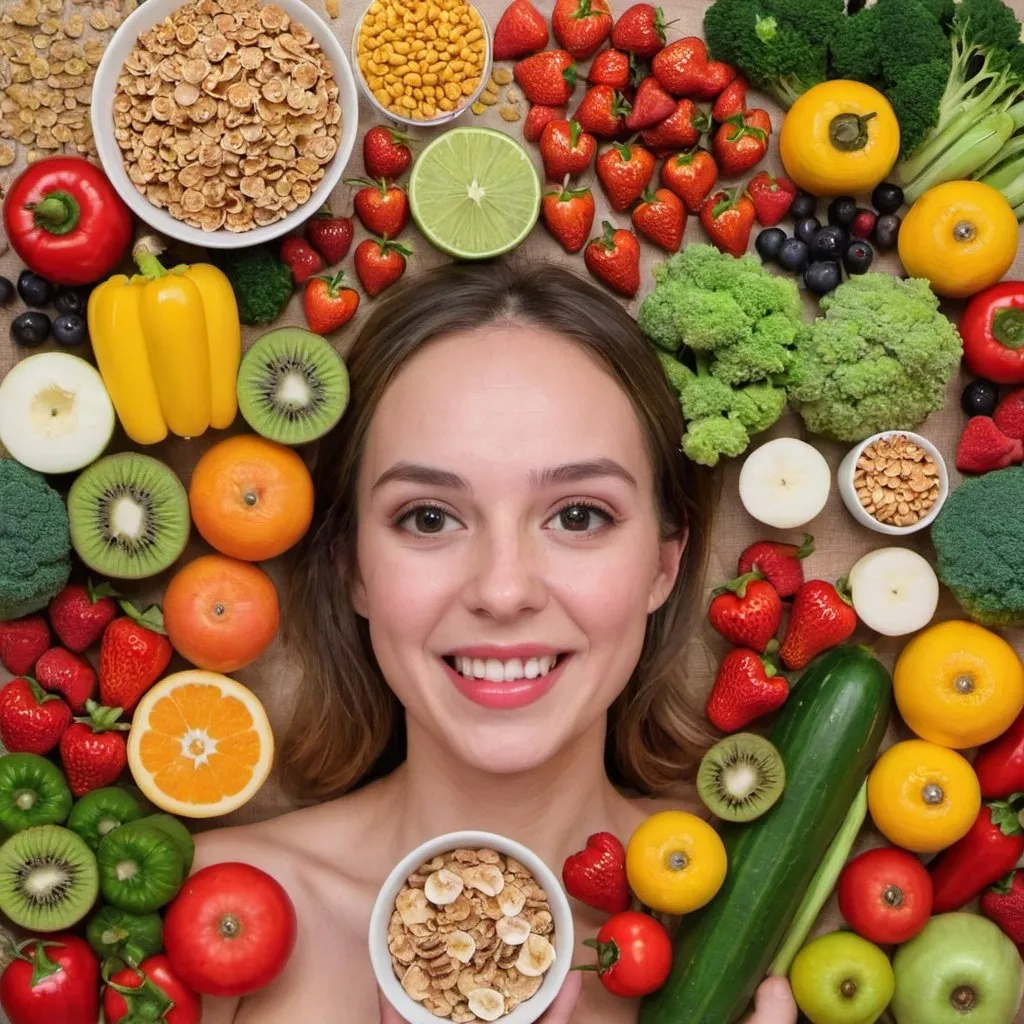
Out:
{"x": 569, "y": 472}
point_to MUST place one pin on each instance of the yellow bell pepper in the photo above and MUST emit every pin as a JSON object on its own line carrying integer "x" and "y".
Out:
{"x": 168, "y": 345}
{"x": 839, "y": 138}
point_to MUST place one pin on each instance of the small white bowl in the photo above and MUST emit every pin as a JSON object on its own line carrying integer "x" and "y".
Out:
{"x": 526, "y": 1012}
{"x": 104, "y": 87}
{"x": 848, "y": 467}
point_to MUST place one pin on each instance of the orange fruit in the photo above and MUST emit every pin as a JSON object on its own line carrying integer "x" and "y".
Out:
{"x": 251, "y": 498}
{"x": 200, "y": 744}
{"x": 221, "y": 613}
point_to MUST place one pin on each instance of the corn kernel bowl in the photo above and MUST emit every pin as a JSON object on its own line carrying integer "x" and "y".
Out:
{"x": 442, "y": 116}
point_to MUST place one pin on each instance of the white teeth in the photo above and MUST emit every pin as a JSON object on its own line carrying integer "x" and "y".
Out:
{"x": 495, "y": 672}
{"x": 532, "y": 668}
{"x": 510, "y": 671}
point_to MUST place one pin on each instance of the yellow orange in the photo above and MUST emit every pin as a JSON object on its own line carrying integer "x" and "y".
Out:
{"x": 200, "y": 744}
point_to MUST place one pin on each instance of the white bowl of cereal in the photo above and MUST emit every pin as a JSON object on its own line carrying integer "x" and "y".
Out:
{"x": 443, "y": 913}
{"x": 224, "y": 123}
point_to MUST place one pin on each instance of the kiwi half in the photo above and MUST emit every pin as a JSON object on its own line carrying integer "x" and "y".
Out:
{"x": 741, "y": 777}
{"x": 48, "y": 878}
{"x": 292, "y": 386}
{"x": 129, "y": 516}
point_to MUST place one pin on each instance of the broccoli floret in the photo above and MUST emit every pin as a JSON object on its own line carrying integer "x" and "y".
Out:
{"x": 678, "y": 374}
{"x": 35, "y": 543}
{"x": 909, "y": 34}
{"x": 915, "y": 98}
{"x": 261, "y": 282}
{"x": 979, "y": 540}
{"x": 988, "y": 23}
{"x": 751, "y": 359}
{"x": 855, "y": 50}
{"x": 707, "y": 440}
{"x": 758, "y": 406}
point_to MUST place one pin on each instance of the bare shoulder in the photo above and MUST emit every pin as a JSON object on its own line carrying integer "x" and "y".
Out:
{"x": 683, "y": 798}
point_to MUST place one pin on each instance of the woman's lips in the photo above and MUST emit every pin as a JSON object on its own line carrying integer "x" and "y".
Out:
{"x": 506, "y": 696}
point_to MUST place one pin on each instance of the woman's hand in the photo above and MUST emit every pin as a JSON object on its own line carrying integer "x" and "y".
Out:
{"x": 773, "y": 1003}
{"x": 559, "y": 1013}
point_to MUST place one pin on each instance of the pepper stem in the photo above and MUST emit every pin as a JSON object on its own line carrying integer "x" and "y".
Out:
{"x": 848, "y": 132}
{"x": 146, "y": 260}
{"x": 1008, "y": 328}
{"x": 58, "y": 214}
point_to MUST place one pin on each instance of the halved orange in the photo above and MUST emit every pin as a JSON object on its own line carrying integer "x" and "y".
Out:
{"x": 200, "y": 744}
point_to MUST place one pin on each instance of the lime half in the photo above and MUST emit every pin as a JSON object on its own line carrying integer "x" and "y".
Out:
{"x": 474, "y": 193}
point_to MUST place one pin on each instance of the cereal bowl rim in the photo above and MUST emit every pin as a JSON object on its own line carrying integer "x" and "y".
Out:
{"x": 528, "y": 1011}
{"x": 848, "y": 467}
{"x": 121, "y": 44}
{"x": 411, "y": 122}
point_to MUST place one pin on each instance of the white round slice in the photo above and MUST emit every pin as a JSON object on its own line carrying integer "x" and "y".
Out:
{"x": 55, "y": 413}
{"x": 895, "y": 591}
{"x": 785, "y": 483}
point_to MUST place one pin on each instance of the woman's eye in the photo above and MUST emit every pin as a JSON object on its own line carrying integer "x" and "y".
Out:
{"x": 428, "y": 519}
{"x": 580, "y": 519}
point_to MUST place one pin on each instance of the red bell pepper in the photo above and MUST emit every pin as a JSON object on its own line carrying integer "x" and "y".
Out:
{"x": 992, "y": 327}
{"x": 66, "y": 222}
{"x": 990, "y": 849}
{"x": 151, "y": 992}
{"x": 52, "y": 981}
{"x": 1004, "y": 904}
{"x": 1000, "y": 764}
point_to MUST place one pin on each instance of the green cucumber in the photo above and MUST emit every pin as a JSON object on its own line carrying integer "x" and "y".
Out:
{"x": 828, "y": 734}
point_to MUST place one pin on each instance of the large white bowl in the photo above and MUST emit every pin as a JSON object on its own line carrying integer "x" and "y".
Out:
{"x": 526, "y": 1012}
{"x": 145, "y": 16}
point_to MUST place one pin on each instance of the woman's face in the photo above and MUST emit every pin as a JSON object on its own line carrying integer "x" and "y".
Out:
{"x": 508, "y": 543}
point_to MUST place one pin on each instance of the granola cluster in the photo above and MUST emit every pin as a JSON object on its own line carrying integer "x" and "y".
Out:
{"x": 472, "y": 935}
{"x": 896, "y": 480}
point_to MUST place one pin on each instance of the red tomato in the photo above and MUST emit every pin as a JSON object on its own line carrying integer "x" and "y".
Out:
{"x": 230, "y": 931}
{"x": 634, "y": 954}
{"x": 156, "y": 994}
{"x": 885, "y": 895}
{"x": 58, "y": 983}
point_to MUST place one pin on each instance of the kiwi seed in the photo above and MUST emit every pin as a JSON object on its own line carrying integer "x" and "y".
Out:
{"x": 741, "y": 777}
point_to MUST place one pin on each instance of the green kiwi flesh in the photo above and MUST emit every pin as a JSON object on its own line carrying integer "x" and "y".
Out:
{"x": 129, "y": 516}
{"x": 33, "y": 792}
{"x": 48, "y": 878}
{"x": 292, "y": 386}
{"x": 101, "y": 811}
{"x": 741, "y": 777}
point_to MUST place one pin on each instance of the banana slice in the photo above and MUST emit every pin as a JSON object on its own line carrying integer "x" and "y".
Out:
{"x": 535, "y": 956}
{"x": 511, "y": 900}
{"x": 487, "y": 878}
{"x": 785, "y": 483}
{"x": 443, "y": 887}
{"x": 460, "y": 945}
{"x": 513, "y": 931}
{"x": 895, "y": 591}
{"x": 487, "y": 1003}
{"x": 413, "y": 907}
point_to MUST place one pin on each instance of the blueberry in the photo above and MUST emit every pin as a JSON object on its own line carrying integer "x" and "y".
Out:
{"x": 979, "y": 398}
{"x": 822, "y": 276}
{"x": 806, "y": 228}
{"x": 863, "y": 223}
{"x": 842, "y": 210}
{"x": 72, "y": 300}
{"x": 858, "y": 257}
{"x": 793, "y": 255}
{"x": 768, "y": 243}
{"x": 69, "y": 329}
{"x": 828, "y": 243}
{"x": 803, "y": 205}
{"x": 6, "y": 291}
{"x": 887, "y": 198}
{"x": 34, "y": 289}
{"x": 30, "y": 329}
{"x": 887, "y": 231}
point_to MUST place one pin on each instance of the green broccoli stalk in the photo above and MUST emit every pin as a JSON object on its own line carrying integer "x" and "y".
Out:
{"x": 35, "y": 543}
{"x": 261, "y": 282}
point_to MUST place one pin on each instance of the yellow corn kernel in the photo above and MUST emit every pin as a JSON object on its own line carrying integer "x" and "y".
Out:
{"x": 457, "y": 31}
{"x": 457, "y": 65}
{"x": 469, "y": 86}
{"x": 408, "y": 102}
{"x": 430, "y": 79}
{"x": 430, "y": 33}
{"x": 390, "y": 78}
{"x": 445, "y": 104}
{"x": 375, "y": 82}
{"x": 417, "y": 94}
{"x": 478, "y": 108}
{"x": 452, "y": 91}
{"x": 429, "y": 110}
{"x": 395, "y": 90}
{"x": 466, "y": 53}
{"x": 400, "y": 46}
{"x": 447, "y": 74}
{"x": 396, "y": 60}
{"x": 382, "y": 96}
{"x": 433, "y": 12}
{"x": 388, "y": 36}
{"x": 429, "y": 92}
{"x": 412, "y": 79}
{"x": 444, "y": 30}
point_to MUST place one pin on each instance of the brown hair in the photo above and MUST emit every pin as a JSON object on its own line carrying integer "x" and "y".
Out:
{"x": 347, "y": 725}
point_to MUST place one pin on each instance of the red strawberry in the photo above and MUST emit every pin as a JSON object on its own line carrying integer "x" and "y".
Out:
{"x": 329, "y": 304}
{"x": 717, "y": 77}
{"x": 566, "y": 149}
{"x": 22, "y": 642}
{"x": 1009, "y": 414}
{"x": 983, "y": 447}
{"x": 382, "y": 208}
{"x": 596, "y": 875}
{"x": 680, "y": 66}
{"x": 303, "y": 260}
{"x": 747, "y": 686}
{"x": 69, "y": 674}
{"x": 625, "y": 170}
{"x": 821, "y": 617}
{"x": 331, "y": 236}
{"x": 682, "y": 129}
{"x": 771, "y": 196}
{"x": 651, "y": 105}
{"x": 93, "y": 750}
{"x": 1004, "y": 904}
{"x": 691, "y": 175}
{"x": 661, "y": 217}
{"x": 538, "y": 118}
{"x": 746, "y": 612}
{"x": 610, "y": 67}
{"x": 380, "y": 263}
{"x": 728, "y": 218}
{"x": 780, "y": 564}
{"x": 520, "y": 31}
{"x": 548, "y": 77}
{"x": 741, "y": 142}
{"x": 602, "y": 111}
{"x": 79, "y": 614}
{"x": 640, "y": 30}
{"x": 581, "y": 26}
{"x": 731, "y": 101}
{"x": 569, "y": 215}
{"x": 386, "y": 153}
{"x": 134, "y": 652}
{"x": 31, "y": 721}
{"x": 614, "y": 258}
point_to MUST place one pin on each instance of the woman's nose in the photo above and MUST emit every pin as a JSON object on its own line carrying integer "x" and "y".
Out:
{"x": 507, "y": 577}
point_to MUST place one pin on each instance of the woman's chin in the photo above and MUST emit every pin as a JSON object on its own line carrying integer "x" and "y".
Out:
{"x": 505, "y": 748}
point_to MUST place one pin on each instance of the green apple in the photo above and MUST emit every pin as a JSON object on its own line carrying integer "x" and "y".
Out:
{"x": 841, "y": 978}
{"x": 960, "y": 969}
